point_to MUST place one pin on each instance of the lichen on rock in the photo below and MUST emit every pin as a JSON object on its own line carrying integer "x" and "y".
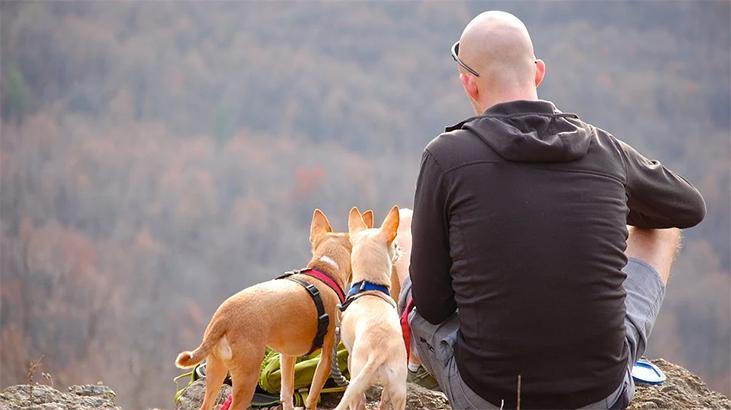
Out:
{"x": 192, "y": 396}
{"x": 40, "y": 396}
{"x": 681, "y": 390}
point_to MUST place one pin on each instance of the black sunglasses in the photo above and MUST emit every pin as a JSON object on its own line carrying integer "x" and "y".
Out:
{"x": 455, "y": 56}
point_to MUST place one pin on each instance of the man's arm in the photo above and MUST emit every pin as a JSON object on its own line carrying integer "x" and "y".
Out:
{"x": 430, "y": 260}
{"x": 657, "y": 197}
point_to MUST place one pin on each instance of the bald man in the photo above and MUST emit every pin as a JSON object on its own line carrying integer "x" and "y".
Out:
{"x": 528, "y": 284}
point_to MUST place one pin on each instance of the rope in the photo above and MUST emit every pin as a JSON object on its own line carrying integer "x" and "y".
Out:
{"x": 335, "y": 372}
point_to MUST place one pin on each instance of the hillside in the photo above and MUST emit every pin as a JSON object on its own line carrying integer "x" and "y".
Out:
{"x": 156, "y": 157}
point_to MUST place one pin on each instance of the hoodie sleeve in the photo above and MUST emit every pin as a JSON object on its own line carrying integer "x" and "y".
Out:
{"x": 430, "y": 259}
{"x": 657, "y": 197}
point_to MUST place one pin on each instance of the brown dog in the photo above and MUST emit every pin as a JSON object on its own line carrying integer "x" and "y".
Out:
{"x": 279, "y": 314}
{"x": 370, "y": 326}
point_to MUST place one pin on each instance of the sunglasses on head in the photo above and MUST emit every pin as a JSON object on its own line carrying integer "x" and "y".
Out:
{"x": 455, "y": 56}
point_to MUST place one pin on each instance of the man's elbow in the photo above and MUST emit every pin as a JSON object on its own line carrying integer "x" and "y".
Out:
{"x": 694, "y": 213}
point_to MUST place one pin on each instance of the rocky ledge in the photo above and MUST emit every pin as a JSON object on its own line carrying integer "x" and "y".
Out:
{"x": 682, "y": 390}
{"x": 40, "y": 396}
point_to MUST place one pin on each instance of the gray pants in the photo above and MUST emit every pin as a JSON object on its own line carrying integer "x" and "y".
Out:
{"x": 435, "y": 343}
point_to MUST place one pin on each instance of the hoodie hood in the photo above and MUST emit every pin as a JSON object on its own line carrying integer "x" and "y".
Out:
{"x": 531, "y": 131}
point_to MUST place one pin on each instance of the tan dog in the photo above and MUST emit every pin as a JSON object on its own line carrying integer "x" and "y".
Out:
{"x": 279, "y": 314}
{"x": 403, "y": 238}
{"x": 370, "y": 325}
{"x": 401, "y": 266}
{"x": 404, "y": 242}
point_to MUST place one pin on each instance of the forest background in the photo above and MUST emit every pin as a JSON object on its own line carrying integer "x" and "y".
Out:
{"x": 156, "y": 157}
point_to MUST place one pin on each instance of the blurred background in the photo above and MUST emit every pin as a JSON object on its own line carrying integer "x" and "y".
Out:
{"x": 156, "y": 157}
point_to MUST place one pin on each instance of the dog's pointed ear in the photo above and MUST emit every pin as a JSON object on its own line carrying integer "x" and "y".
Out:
{"x": 320, "y": 225}
{"x": 368, "y": 218}
{"x": 389, "y": 228}
{"x": 355, "y": 221}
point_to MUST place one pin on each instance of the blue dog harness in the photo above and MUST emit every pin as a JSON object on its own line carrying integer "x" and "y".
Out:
{"x": 357, "y": 289}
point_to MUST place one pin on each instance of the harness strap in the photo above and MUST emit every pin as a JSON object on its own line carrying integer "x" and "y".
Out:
{"x": 323, "y": 319}
{"x": 321, "y": 276}
{"x": 365, "y": 285}
{"x": 405, "y": 327}
{"x": 385, "y": 296}
{"x": 326, "y": 279}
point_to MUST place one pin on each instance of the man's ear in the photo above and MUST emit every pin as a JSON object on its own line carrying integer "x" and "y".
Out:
{"x": 355, "y": 221}
{"x": 389, "y": 228}
{"x": 368, "y": 218}
{"x": 540, "y": 72}
{"x": 470, "y": 86}
{"x": 320, "y": 225}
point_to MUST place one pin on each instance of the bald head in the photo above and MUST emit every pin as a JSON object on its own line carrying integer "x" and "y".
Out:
{"x": 497, "y": 45}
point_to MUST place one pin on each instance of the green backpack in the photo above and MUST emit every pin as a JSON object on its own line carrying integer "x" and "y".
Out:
{"x": 270, "y": 378}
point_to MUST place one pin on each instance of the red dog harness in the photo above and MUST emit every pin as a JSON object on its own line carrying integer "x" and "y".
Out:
{"x": 323, "y": 319}
{"x": 326, "y": 279}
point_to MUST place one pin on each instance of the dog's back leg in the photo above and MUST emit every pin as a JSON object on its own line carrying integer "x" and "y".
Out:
{"x": 394, "y": 383}
{"x": 385, "y": 400}
{"x": 362, "y": 375}
{"x": 244, "y": 368}
{"x": 361, "y": 404}
{"x": 396, "y": 394}
{"x": 215, "y": 373}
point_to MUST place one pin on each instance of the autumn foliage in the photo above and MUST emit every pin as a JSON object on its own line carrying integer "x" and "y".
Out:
{"x": 156, "y": 157}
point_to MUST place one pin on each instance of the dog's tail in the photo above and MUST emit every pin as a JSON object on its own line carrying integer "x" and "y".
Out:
{"x": 360, "y": 383}
{"x": 213, "y": 335}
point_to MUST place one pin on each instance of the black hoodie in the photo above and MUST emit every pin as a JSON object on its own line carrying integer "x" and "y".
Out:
{"x": 520, "y": 223}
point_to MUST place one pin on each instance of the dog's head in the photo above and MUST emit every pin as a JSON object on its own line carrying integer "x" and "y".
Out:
{"x": 330, "y": 247}
{"x": 396, "y": 253}
{"x": 374, "y": 249}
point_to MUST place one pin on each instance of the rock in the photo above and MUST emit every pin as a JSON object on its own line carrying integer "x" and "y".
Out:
{"x": 192, "y": 397}
{"x": 682, "y": 389}
{"x": 421, "y": 398}
{"x": 93, "y": 390}
{"x": 39, "y": 396}
{"x": 418, "y": 398}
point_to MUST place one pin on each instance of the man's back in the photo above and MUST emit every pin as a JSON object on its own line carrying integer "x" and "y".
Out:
{"x": 534, "y": 204}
